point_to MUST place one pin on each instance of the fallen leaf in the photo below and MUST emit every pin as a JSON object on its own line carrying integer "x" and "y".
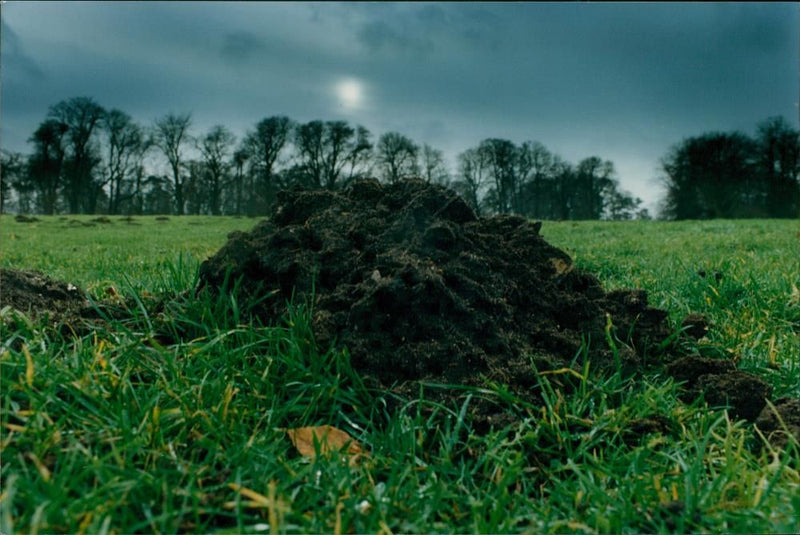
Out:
{"x": 561, "y": 266}
{"x": 328, "y": 439}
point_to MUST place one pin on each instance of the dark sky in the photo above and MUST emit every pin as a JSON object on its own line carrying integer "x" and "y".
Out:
{"x": 623, "y": 81}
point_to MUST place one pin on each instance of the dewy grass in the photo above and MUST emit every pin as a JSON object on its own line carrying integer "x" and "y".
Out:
{"x": 173, "y": 419}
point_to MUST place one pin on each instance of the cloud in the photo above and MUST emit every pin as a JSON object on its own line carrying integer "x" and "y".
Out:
{"x": 380, "y": 36}
{"x": 425, "y": 29}
{"x": 240, "y": 46}
{"x": 14, "y": 57}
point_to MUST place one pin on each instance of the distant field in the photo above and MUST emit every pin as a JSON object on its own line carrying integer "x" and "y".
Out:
{"x": 117, "y": 433}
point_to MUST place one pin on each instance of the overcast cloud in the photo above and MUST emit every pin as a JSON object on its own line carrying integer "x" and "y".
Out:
{"x": 621, "y": 81}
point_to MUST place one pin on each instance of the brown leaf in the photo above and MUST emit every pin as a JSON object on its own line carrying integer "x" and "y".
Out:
{"x": 561, "y": 266}
{"x": 329, "y": 439}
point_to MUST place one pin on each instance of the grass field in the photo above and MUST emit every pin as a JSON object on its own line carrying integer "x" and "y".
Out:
{"x": 116, "y": 433}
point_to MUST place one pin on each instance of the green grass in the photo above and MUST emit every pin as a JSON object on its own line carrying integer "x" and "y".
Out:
{"x": 750, "y": 291}
{"x": 91, "y": 254}
{"x": 116, "y": 432}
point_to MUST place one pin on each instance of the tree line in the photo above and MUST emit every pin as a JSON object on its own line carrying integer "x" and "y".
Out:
{"x": 733, "y": 175}
{"x": 87, "y": 159}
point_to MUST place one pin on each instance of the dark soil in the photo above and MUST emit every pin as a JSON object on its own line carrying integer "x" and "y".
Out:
{"x": 690, "y": 368}
{"x": 780, "y": 423}
{"x": 39, "y": 297}
{"x": 637, "y": 430}
{"x": 744, "y": 393}
{"x": 721, "y": 384}
{"x": 420, "y": 289}
{"x": 695, "y": 326}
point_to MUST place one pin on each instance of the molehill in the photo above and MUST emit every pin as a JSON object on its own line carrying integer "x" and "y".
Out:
{"x": 420, "y": 289}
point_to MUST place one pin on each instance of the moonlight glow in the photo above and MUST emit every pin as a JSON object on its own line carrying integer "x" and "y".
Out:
{"x": 350, "y": 93}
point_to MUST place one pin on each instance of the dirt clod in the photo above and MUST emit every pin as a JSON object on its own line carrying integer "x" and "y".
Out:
{"x": 771, "y": 422}
{"x": 695, "y": 326}
{"x": 637, "y": 429}
{"x": 31, "y": 292}
{"x": 721, "y": 384}
{"x": 745, "y": 393}
{"x": 420, "y": 289}
{"x": 688, "y": 369}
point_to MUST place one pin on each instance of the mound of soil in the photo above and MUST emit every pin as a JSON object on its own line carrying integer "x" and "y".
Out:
{"x": 420, "y": 289}
{"x": 39, "y": 296}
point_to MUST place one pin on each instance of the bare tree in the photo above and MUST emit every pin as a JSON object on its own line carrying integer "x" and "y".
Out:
{"x": 81, "y": 115}
{"x": 537, "y": 163}
{"x": 473, "y": 177}
{"x": 397, "y": 157}
{"x": 433, "y": 167}
{"x": 171, "y": 135}
{"x": 12, "y": 175}
{"x": 359, "y": 160}
{"x": 501, "y": 155}
{"x": 240, "y": 158}
{"x": 326, "y": 149}
{"x": 216, "y": 148}
{"x": 263, "y": 147}
{"x": 125, "y": 147}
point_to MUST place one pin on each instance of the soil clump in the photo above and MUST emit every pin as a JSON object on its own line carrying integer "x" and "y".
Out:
{"x": 781, "y": 422}
{"x": 42, "y": 298}
{"x": 721, "y": 384}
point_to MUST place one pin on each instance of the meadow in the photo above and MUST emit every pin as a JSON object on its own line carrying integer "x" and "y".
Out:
{"x": 114, "y": 432}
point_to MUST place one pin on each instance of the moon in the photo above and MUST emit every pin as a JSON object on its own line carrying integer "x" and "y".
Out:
{"x": 350, "y": 93}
